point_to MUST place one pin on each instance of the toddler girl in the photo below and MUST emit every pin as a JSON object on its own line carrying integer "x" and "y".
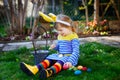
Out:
{"x": 67, "y": 47}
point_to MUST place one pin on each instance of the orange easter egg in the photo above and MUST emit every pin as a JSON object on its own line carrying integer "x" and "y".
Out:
{"x": 79, "y": 67}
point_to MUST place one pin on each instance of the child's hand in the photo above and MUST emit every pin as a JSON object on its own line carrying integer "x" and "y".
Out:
{"x": 52, "y": 46}
{"x": 69, "y": 64}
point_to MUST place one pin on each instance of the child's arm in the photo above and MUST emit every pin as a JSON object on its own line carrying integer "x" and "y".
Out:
{"x": 54, "y": 46}
{"x": 75, "y": 54}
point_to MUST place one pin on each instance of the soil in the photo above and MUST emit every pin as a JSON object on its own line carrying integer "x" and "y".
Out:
{"x": 13, "y": 38}
{"x": 18, "y": 38}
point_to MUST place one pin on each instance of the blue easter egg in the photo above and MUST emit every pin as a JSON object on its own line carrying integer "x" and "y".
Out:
{"x": 77, "y": 72}
{"x": 89, "y": 70}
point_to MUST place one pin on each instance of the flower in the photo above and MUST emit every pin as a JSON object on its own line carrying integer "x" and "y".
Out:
{"x": 95, "y": 28}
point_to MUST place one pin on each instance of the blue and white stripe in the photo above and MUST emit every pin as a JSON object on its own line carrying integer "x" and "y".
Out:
{"x": 67, "y": 47}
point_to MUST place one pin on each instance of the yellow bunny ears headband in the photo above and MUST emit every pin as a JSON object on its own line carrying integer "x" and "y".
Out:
{"x": 53, "y": 18}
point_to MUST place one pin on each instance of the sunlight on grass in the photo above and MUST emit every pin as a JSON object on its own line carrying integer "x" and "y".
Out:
{"x": 104, "y": 61}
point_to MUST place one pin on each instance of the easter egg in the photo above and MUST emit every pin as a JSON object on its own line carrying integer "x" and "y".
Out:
{"x": 70, "y": 68}
{"x": 77, "y": 72}
{"x": 79, "y": 67}
{"x": 84, "y": 68}
{"x": 74, "y": 68}
{"x": 89, "y": 70}
{"x": 60, "y": 55}
{"x": 27, "y": 38}
{"x": 65, "y": 67}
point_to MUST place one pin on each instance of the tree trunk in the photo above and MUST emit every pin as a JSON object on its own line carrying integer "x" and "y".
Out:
{"x": 116, "y": 10}
{"x": 38, "y": 5}
{"x": 96, "y": 11}
{"x": 53, "y": 6}
{"x": 20, "y": 12}
{"x": 32, "y": 15}
{"x": 61, "y": 4}
{"x": 7, "y": 10}
{"x": 12, "y": 15}
{"x": 106, "y": 8}
{"x": 24, "y": 11}
{"x": 86, "y": 11}
{"x": 35, "y": 19}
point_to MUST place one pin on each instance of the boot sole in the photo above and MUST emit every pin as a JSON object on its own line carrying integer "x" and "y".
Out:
{"x": 43, "y": 74}
{"x": 25, "y": 69}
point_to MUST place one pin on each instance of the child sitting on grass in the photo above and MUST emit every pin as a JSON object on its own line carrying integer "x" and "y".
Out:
{"x": 67, "y": 47}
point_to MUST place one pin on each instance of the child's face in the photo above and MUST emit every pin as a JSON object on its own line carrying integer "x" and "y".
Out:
{"x": 63, "y": 31}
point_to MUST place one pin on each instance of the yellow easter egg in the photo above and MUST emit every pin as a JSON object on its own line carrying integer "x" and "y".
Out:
{"x": 79, "y": 67}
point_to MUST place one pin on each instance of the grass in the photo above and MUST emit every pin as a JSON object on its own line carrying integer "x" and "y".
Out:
{"x": 104, "y": 61}
{"x": 2, "y": 31}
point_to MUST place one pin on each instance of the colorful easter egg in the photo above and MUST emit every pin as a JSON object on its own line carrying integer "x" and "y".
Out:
{"x": 77, "y": 72}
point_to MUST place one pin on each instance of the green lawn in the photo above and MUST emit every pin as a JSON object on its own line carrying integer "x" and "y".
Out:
{"x": 104, "y": 61}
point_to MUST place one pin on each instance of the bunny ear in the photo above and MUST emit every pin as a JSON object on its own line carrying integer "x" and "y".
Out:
{"x": 53, "y": 16}
{"x": 45, "y": 17}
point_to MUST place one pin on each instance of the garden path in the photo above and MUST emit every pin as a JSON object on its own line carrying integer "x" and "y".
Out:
{"x": 108, "y": 40}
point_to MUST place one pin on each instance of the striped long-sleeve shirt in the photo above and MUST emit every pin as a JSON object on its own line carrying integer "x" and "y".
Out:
{"x": 67, "y": 45}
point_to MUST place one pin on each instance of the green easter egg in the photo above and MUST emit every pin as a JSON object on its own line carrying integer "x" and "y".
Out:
{"x": 74, "y": 68}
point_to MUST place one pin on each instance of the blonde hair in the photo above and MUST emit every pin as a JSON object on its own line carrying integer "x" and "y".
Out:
{"x": 66, "y": 20}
